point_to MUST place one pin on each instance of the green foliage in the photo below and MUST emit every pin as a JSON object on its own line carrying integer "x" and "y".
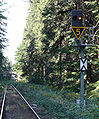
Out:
{"x": 93, "y": 90}
{"x": 5, "y": 64}
{"x": 46, "y": 55}
{"x": 59, "y": 104}
{"x": 29, "y": 52}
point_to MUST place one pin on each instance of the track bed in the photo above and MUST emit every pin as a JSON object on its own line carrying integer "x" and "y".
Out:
{"x": 15, "y": 107}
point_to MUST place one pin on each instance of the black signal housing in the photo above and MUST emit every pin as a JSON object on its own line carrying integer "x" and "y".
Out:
{"x": 76, "y": 18}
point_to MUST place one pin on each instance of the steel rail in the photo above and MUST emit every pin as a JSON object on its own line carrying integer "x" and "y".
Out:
{"x": 26, "y": 102}
{"x": 3, "y": 103}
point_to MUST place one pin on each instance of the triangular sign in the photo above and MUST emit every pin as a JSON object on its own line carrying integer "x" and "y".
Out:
{"x": 78, "y": 31}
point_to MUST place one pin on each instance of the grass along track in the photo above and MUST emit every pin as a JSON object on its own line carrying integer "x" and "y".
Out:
{"x": 57, "y": 104}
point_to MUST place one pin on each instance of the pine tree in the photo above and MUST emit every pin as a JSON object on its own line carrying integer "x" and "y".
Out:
{"x": 2, "y": 34}
{"x": 46, "y": 53}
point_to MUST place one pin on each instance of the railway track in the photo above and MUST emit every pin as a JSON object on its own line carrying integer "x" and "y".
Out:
{"x": 15, "y": 106}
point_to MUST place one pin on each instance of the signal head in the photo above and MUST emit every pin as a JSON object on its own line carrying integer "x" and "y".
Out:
{"x": 76, "y": 18}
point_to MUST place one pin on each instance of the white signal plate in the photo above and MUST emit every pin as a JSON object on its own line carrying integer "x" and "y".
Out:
{"x": 83, "y": 64}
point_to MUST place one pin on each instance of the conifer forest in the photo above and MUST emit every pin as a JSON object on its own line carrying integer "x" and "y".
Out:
{"x": 47, "y": 62}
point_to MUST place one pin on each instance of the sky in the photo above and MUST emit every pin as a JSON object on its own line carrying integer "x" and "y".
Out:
{"x": 16, "y": 20}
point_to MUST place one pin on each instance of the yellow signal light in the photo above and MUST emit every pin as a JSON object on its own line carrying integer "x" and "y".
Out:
{"x": 79, "y": 18}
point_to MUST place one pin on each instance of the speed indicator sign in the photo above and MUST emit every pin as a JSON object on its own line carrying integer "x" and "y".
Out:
{"x": 78, "y": 31}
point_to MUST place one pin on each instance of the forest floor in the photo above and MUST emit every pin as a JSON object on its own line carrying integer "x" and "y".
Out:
{"x": 57, "y": 104}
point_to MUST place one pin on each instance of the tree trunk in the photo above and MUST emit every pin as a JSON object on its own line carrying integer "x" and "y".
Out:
{"x": 60, "y": 69}
{"x": 42, "y": 73}
{"x": 45, "y": 73}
